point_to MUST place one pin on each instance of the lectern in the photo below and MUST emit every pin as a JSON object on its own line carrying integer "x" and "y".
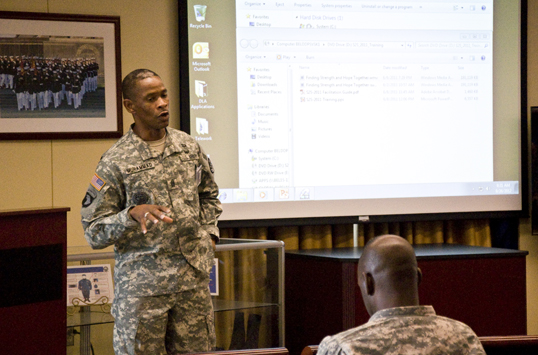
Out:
{"x": 33, "y": 281}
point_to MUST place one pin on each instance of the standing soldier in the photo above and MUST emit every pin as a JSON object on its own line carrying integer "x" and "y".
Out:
{"x": 47, "y": 81}
{"x": 20, "y": 88}
{"x": 68, "y": 86}
{"x": 56, "y": 88}
{"x": 75, "y": 88}
{"x": 11, "y": 72}
{"x": 3, "y": 64}
{"x": 33, "y": 89}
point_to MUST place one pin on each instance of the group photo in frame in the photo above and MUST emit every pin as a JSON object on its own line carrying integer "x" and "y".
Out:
{"x": 60, "y": 76}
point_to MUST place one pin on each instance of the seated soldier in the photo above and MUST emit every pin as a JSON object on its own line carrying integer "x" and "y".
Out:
{"x": 388, "y": 277}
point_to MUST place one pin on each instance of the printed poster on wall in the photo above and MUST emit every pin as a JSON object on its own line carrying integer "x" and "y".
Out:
{"x": 214, "y": 278}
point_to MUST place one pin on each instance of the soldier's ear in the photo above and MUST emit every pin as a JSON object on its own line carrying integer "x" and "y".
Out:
{"x": 129, "y": 106}
{"x": 370, "y": 284}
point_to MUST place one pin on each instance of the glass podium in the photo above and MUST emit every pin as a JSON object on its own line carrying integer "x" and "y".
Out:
{"x": 248, "y": 299}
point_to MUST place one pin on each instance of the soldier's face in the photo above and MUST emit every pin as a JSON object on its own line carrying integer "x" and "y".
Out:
{"x": 149, "y": 106}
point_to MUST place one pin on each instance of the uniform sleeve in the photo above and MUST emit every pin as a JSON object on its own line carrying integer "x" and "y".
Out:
{"x": 329, "y": 346}
{"x": 208, "y": 191}
{"x": 105, "y": 218}
{"x": 475, "y": 346}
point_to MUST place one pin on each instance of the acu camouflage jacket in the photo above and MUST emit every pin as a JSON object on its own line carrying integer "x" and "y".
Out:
{"x": 405, "y": 330}
{"x": 129, "y": 174}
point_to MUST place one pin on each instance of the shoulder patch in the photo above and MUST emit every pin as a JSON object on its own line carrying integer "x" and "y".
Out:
{"x": 97, "y": 182}
{"x": 88, "y": 199}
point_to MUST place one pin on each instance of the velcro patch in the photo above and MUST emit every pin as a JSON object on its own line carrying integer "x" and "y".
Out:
{"x": 140, "y": 198}
{"x": 145, "y": 166}
{"x": 97, "y": 182}
{"x": 88, "y": 199}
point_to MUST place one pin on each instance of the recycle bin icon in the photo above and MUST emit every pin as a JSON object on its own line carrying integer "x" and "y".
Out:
{"x": 199, "y": 12}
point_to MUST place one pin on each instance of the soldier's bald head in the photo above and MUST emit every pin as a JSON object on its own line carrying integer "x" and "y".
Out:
{"x": 390, "y": 276}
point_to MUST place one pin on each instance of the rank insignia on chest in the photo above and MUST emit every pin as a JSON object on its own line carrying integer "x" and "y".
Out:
{"x": 173, "y": 184}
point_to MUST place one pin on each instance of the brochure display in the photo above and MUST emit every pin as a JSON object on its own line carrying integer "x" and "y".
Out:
{"x": 89, "y": 285}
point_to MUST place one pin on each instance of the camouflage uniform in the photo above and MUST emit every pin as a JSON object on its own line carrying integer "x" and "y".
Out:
{"x": 165, "y": 271}
{"x": 404, "y": 330}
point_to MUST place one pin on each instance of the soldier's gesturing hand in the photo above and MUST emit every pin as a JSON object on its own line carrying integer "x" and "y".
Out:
{"x": 152, "y": 213}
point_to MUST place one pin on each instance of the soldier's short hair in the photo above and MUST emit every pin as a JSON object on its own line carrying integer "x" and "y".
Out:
{"x": 129, "y": 82}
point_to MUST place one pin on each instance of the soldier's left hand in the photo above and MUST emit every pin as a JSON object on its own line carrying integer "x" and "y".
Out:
{"x": 152, "y": 213}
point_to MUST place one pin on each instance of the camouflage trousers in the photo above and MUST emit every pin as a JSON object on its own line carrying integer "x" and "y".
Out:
{"x": 165, "y": 324}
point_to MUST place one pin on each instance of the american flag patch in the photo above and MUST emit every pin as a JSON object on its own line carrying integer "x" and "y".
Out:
{"x": 97, "y": 182}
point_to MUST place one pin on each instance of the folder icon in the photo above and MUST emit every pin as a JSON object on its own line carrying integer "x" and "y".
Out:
{"x": 200, "y": 88}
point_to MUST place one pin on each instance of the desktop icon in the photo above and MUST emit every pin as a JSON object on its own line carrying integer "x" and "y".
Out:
{"x": 200, "y": 50}
{"x": 240, "y": 196}
{"x": 199, "y": 12}
{"x": 200, "y": 88}
{"x": 305, "y": 194}
{"x": 263, "y": 195}
{"x": 202, "y": 126}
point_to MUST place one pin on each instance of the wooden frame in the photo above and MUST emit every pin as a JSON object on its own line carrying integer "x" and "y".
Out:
{"x": 44, "y": 51}
{"x": 534, "y": 168}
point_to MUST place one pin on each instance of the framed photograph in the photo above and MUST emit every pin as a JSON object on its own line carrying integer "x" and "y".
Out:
{"x": 60, "y": 76}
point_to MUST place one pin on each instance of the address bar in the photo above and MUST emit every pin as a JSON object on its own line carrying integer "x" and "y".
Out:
{"x": 336, "y": 44}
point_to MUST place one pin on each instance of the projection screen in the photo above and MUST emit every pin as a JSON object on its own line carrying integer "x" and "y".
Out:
{"x": 355, "y": 109}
